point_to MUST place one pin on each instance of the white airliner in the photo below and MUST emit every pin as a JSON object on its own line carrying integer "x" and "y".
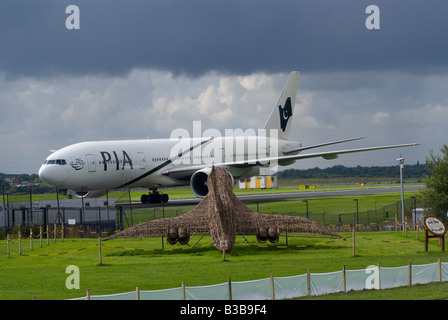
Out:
{"x": 89, "y": 169}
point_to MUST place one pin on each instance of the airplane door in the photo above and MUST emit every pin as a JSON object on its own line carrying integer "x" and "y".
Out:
{"x": 91, "y": 165}
{"x": 141, "y": 157}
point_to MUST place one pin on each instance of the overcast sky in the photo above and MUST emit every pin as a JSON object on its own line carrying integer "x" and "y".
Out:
{"x": 141, "y": 68}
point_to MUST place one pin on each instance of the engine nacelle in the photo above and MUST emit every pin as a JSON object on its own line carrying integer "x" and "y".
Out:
{"x": 181, "y": 235}
{"x": 88, "y": 194}
{"x": 184, "y": 236}
{"x": 271, "y": 234}
{"x": 198, "y": 182}
{"x": 172, "y": 236}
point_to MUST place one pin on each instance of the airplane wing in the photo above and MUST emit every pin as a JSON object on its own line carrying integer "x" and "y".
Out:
{"x": 328, "y": 155}
{"x": 178, "y": 229}
{"x": 184, "y": 173}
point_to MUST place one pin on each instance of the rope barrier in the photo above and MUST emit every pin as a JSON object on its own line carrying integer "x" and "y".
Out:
{"x": 49, "y": 254}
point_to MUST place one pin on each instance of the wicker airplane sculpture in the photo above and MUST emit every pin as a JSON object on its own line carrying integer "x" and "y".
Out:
{"x": 223, "y": 216}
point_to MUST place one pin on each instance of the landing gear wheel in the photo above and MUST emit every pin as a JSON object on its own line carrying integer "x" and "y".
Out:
{"x": 144, "y": 198}
{"x": 154, "y": 197}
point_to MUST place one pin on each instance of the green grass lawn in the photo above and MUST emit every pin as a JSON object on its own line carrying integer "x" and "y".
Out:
{"x": 131, "y": 263}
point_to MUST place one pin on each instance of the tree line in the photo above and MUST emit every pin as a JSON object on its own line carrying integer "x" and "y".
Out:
{"x": 21, "y": 183}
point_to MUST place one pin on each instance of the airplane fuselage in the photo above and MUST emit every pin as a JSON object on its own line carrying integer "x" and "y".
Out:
{"x": 144, "y": 163}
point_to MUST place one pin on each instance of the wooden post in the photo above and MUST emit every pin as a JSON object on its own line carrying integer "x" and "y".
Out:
{"x": 344, "y": 279}
{"x": 379, "y": 276}
{"x": 48, "y": 235}
{"x": 184, "y": 295}
{"x": 55, "y": 232}
{"x": 31, "y": 239}
{"x": 272, "y": 287}
{"x": 405, "y": 226}
{"x": 230, "y": 288}
{"x": 396, "y": 225}
{"x": 137, "y": 291}
{"x": 88, "y": 294}
{"x": 308, "y": 282}
{"x": 99, "y": 250}
{"x": 410, "y": 274}
{"x": 9, "y": 244}
{"x": 416, "y": 230}
{"x": 20, "y": 244}
{"x": 40, "y": 235}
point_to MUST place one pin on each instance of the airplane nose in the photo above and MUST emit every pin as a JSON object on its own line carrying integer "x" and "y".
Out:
{"x": 43, "y": 174}
{"x": 47, "y": 175}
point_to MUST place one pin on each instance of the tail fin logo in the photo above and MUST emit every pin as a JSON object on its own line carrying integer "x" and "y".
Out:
{"x": 285, "y": 113}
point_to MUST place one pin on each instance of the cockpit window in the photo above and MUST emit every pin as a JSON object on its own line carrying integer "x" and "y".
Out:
{"x": 60, "y": 162}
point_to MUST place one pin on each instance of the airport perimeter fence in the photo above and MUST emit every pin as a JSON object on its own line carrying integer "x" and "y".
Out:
{"x": 384, "y": 218}
{"x": 96, "y": 215}
{"x": 380, "y": 219}
{"x": 310, "y": 284}
{"x": 81, "y": 220}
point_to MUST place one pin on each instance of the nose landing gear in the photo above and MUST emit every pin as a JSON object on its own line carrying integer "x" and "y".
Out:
{"x": 154, "y": 197}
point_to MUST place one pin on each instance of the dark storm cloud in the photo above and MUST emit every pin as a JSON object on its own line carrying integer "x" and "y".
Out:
{"x": 241, "y": 37}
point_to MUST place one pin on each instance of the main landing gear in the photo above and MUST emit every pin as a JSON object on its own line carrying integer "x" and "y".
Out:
{"x": 154, "y": 197}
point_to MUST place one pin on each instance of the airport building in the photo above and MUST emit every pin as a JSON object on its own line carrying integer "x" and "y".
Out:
{"x": 91, "y": 214}
{"x": 258, "y": 182}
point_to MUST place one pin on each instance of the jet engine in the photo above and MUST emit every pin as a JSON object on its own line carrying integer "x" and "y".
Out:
{"x": 262, "y": 235}
{"x": 271, "y": 234}
{"x": 180, "y": 235}
{"x": 172, "y": 236}
{"x": 198, "y": 182}
{"x": 88, "y": 194}
{"x": 184, "y": 236}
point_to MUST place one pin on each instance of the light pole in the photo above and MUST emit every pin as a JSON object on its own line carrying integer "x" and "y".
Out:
{"x": 401, "y": 162}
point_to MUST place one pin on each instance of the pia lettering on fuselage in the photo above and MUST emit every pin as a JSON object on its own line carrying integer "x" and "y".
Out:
{"x": 116, "y": 161}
